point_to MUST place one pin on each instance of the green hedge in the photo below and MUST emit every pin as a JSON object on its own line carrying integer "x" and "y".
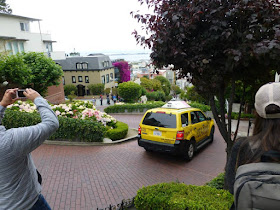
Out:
{"x": 119, "y": 132}
{"x": 217, "y": 182}
{"x": 234, "y": 115}
{"x": 180, "y": 196}
{"x": 149, "y": 105}
{"x": 200, "y": 106}
{"x": 132, "y": 107}
{"x": 69, "y": 129}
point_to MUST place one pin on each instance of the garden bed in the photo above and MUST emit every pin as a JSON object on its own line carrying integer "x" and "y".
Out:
{"x": 79, "y": 121}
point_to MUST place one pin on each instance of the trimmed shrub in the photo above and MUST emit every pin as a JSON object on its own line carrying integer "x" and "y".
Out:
{"x": 168, "y": 98}
{"x": 181, "y": 196}
{"x": 70, "y": 88}
{"x": 234, "y": 115}
{"x": 146, "y": 83}
{"x": 96, "y": 89}
{"x": 133, "y": 107}
{"x": 151, "y": 96}
{"x": 69, "y": 129}
{"x": 115, "y": 91}
{"x": 119, "y": 132}
{"x": 192, "y": 95}
{"x": 166, "y": 86}
{"x": 160, "y": 96}
{"x": 200, "y": 106}
{"x": 156, "y": 85}
{"x": 129, "y": 91}
{"x": 217, "y": 182}
{"x": 143, "y": 91}
{"x": 107, "y": 91}
{"x": 176, "y": 89}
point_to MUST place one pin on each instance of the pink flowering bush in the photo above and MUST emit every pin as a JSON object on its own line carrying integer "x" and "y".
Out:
{"x": 124, "y": 70}
{"x": 78, "y": 110}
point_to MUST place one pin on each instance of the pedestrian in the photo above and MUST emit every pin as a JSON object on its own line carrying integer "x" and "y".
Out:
{"x": 108, "y": 99}
{"x": 20, "y": 186}
{"x": 93, "y": 101}
{"x": 101, "y": 100}
{"x": 114, "y": 99}
{"x": 265, "y": 138}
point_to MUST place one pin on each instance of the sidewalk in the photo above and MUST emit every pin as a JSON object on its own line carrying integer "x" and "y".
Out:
{"x": 243, "y": 128}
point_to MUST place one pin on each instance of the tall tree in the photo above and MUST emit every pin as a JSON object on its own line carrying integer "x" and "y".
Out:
{"x": 29, "y": 70}
{"x": 4, "y": 7}
{"x": 218, "y": 42}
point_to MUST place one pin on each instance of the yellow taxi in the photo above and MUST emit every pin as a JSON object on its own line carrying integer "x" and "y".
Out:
{"x": 175, "y": 128}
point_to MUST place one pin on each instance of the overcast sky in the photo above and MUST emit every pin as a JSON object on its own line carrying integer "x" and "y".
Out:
{"x": 86, "y": 25}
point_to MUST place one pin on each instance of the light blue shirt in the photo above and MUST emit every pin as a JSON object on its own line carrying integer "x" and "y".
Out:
{"x": 19, "y": 187}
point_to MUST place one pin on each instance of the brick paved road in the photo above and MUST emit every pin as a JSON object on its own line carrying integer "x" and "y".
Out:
{"x": 90, "y": 177}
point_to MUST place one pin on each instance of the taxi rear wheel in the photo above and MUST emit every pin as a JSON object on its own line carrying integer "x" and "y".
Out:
{"x": 189, "y": 153}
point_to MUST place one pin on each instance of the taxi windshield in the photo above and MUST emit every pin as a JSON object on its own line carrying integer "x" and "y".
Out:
{"x": 160, "y": 120}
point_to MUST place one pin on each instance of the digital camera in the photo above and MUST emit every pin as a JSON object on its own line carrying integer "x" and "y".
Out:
{"x": 20, "y": 94}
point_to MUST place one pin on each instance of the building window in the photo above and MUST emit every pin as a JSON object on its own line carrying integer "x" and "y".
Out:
{"x": 107, "y": 78}
{"x": 49, "y": 47}
{"x": 79, "y": 66}
{"x": 111, "y": 76}
{"x": 15, "y": 47}
{"x": 105, "y": 63}
{"x": 85, "y": 65}
{"x": 21, "y": 46}
{"x": 63, "y": 80}
{"x": 73, "y": 79}
{"x": 24, "y": 26}
{"x": 103, "y": 79}
{"x": 86, "y": 79}
{"x": 80, "y": 78}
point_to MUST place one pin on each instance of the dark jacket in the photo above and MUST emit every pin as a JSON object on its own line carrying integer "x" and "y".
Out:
{"x": 236, "y": 159}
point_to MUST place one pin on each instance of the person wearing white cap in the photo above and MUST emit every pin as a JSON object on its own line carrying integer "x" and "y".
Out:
{"x": 266, "y": 132}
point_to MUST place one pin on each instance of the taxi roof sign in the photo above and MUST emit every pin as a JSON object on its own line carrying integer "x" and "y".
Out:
{"x": 176, "y": 105}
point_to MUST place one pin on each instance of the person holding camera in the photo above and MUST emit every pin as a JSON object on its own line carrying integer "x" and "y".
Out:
{"x": 19, "y": 178}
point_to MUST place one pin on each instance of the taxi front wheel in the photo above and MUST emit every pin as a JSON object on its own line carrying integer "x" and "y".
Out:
{"x": 189, "y": 153}
{"x": 212, "y": 135}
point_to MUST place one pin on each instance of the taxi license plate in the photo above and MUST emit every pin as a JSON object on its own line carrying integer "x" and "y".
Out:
{"x": 157, "y": 133}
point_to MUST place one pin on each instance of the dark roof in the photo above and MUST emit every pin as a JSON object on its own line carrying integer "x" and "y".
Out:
{"x": 18, "y": 16}
{"x": 94, "y": 62}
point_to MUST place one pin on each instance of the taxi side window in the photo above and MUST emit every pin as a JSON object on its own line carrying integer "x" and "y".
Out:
{"x": 184, "y": 119}
{"x": 194, "y": 118}
{"x": 200, "y": 116}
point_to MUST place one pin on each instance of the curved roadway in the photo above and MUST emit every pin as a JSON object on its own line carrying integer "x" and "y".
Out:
{"x": 90, "y": 177}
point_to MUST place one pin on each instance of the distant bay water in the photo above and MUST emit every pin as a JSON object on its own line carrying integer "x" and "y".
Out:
{"x": 130, "y": 56}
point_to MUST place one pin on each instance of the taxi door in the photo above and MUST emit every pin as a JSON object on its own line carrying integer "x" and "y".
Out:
{"x": 204, "y": 124}
{"x": 195, "y": 127}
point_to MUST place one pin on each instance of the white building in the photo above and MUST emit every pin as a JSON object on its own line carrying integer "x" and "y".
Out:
{"x": 16, "y": 36}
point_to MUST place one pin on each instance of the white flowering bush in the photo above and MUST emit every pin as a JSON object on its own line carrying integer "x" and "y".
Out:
{"x": 84, "y": 110}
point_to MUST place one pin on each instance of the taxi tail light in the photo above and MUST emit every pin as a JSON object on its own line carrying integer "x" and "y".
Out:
{"x": 139, "y": 130}
{"x": 180, "y": 135}
{"x": 161, "y": 112}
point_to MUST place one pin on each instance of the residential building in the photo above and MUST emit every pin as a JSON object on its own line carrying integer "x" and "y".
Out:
{"x": 17, "y": 37}
{"x": 83, "y": 71}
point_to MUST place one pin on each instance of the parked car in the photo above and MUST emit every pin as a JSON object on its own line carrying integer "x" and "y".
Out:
{"x": 175, "y": 128}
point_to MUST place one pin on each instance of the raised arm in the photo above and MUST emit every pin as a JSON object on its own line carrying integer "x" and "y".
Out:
{"x": 26, "y": 139}
{"x": 8, "y": 99}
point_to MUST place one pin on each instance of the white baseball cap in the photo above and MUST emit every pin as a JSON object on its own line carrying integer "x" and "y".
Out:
{"x": 267, "y": 94}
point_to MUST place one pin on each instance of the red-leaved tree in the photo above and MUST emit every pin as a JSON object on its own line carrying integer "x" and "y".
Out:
{"x": 218, "y": 42}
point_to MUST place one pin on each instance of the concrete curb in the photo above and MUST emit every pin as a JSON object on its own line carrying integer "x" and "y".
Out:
{"x": 131, "y": 135}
